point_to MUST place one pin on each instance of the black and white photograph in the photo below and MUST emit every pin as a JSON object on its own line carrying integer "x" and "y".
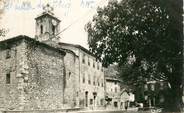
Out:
{"x": 91, "y": 56}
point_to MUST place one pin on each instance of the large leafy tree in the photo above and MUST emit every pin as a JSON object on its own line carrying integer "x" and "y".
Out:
{"x": 150, "y": 31}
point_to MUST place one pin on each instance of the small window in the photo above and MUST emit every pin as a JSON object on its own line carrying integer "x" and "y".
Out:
{"x": 89, "y": 79}
{"x": 83, "y": 78}
{"x": 98, "y": 82}
{"x": 41, "y": 29}
{"x": 94, "y": 80}
{"x": 83, "y": 58}
{"x": 98, "y": 66}
{"x": 88, "y": 61}
{"x": 8, "y": 54}
{"x": 69, "y": 74}
{"x": 94, "y": 63}
{"x": 8, "y": 78}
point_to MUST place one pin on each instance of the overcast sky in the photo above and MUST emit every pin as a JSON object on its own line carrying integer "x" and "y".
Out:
{"x": 19, "y": 16}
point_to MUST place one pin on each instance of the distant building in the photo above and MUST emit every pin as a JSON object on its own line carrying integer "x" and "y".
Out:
{"x": 117, "y": 94}
{"x": 154, "y": 93}
{"x": 126, "y": 98}
{"x": 113, "y": 92}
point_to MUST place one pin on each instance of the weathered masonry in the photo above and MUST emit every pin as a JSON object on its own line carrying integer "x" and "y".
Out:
{"x": 31, "y": 75}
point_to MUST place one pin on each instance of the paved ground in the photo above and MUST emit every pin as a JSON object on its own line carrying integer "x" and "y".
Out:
{"x": 111, "y": 112}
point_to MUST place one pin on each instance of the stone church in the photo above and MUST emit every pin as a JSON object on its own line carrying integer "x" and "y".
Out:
{"x": 43, "y": 73}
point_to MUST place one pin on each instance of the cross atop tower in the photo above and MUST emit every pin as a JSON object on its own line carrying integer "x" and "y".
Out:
{"x": 48, "y": 9}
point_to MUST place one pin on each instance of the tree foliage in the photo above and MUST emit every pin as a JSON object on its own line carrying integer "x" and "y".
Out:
{"x": 150, "y": 31}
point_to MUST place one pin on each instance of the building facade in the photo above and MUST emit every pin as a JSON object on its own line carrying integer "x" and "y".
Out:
{"x": 152, "y": 93}
{"x": 155, "y": 93}
{"x": 113, "y": 92}
{"x": 91, "y": 91}
{"x": 31, "y": 75}
{"x": 117, "y": 94}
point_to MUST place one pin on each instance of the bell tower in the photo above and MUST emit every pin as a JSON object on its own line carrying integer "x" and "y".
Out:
{"x": 47, "y": 25}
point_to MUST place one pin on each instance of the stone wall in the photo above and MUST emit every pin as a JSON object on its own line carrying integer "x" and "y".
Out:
{"x": 42, "y": 78}
{"x": 9, "y": 93}
{"x": 45, "y": 85}
{"x": 32, "y": 76}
